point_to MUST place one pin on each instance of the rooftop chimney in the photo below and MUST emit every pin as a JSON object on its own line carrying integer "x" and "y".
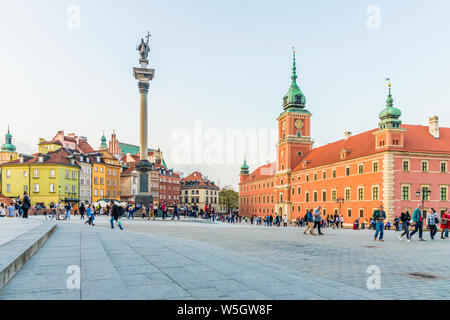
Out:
{"x": 433, "y": 127}
{"x": 347, "y": 135}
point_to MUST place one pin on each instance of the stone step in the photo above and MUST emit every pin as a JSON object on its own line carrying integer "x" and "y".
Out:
{"x": 16, "y": 252}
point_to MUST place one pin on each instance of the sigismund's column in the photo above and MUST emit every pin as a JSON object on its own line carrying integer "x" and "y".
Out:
{"x": 144, "y": 75}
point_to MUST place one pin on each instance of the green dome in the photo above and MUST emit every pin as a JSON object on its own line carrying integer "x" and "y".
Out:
{"x": 103, "y": 144}
{"x": 245, "y": 168}
{"x": 8, "y": 146}
{"x": 390, "y": 116}
{"x": 295, "y": 97}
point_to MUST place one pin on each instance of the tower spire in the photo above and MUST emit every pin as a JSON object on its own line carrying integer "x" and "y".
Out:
{"x": 390, "y": 116}
{"x": 389, "y": 100}
{"x": 295, "y": 97}
{"x": 294, "y": 67}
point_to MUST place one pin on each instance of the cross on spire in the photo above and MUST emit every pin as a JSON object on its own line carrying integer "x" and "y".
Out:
{"x": 148, "y": 36}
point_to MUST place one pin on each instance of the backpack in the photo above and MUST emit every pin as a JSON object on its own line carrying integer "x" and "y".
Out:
{"x": 121, "y": 211}
{"x": 26, "y": 203}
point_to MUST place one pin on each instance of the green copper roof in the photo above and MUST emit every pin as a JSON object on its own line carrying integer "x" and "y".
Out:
{"x": 294, "y": 97}
{"x": 245, "y": 167}
{"x": 8, "y": 146}
{"x": 103, "y": 144}
{"x": 390, "y": 116}
{"x": 132, "y": 149}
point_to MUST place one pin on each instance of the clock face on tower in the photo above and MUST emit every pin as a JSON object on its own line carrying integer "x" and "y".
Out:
{"x": 299, "y": 123}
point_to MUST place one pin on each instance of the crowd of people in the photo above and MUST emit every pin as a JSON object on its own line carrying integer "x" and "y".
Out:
{"x": 312, "y": 220}
{"x": 18, "y": 208}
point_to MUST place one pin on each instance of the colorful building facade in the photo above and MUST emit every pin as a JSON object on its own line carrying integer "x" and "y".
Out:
{"x": 394, "y": 166}
{"x": 48, "y": 178}
{"x": 198, "y": 189}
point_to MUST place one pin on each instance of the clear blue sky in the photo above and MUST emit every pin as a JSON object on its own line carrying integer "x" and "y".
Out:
{"x": 225, "y": 63}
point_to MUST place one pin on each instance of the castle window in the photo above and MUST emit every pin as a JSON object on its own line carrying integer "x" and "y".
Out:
{"x": 347, "y": 171}
{"x": 405, "y": 193}
{"x": 299, "y": 134}
{"x": 405, "y": 165}
{"x": 333, "y": 195}
{"x": 347, "y": 194}
{"x": 361, "y": 194}
{"x": 324, "y": 196}
{"x": 375, "y": 167}
{"x": 315, "y": 196}
{"x": 334, "y": 173}
{"x": 349, "y": 213}
{"x": 360, "y": 169}
{"x": 443, "y": 167}
{"x": 324, "y": 175}
{"x": 375, "y": 193}
{"x": 298, "y": 98}
{"x": 424, "y": 166}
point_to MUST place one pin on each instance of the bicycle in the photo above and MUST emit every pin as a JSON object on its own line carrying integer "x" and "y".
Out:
{"x": 50, "y": 216}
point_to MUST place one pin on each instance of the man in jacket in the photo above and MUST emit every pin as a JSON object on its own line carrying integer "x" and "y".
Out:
{"x": 318, "y": 219}
{"x": 417, "y": 219}
{"x": 116, "y": 212}
{"x": 379, "y": 216}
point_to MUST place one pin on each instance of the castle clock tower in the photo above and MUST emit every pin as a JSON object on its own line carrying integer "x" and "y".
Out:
{"x": 294, "y": 142}
{"x": 294, "y": 127}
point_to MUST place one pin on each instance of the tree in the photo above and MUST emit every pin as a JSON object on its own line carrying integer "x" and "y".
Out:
{"x": 229, "y": 198}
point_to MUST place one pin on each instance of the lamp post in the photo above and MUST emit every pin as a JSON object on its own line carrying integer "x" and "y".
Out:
{"x": 340, "y": 201}
{"x": 424, "y": 193}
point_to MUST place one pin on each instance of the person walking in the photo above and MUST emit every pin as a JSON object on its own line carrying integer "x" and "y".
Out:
{"x": 445, "y": 224}
{"x": 90, "y": 215}
{"x": 417, "y": 219}
{"x": 82, "y": 211}
{"x": 405, "y": 219}
{"x": 309, "y": 223}
{"x": 116, "y": 212}
{"x": 175, "y": 213}
{"x": 67, "y": 207}
{"x": 379, "y": 216}
{"x": 318, "y": 219}
{"x": 151, "y": 212}
{"x": 285, "y": 221}
{"x": 433, "y": 221}
{"x": 25, "y": 204}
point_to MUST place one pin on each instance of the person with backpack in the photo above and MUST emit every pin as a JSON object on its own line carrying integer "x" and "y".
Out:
{"x": 25, "y": 204}
{"x": 309, "y": 223}
{"x": 379, "y": 216}
{"x": 116, "y": 213}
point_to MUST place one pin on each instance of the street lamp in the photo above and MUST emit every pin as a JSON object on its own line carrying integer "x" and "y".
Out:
{"x": 425, "y": 193}
{"x": 340, "y": 201}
